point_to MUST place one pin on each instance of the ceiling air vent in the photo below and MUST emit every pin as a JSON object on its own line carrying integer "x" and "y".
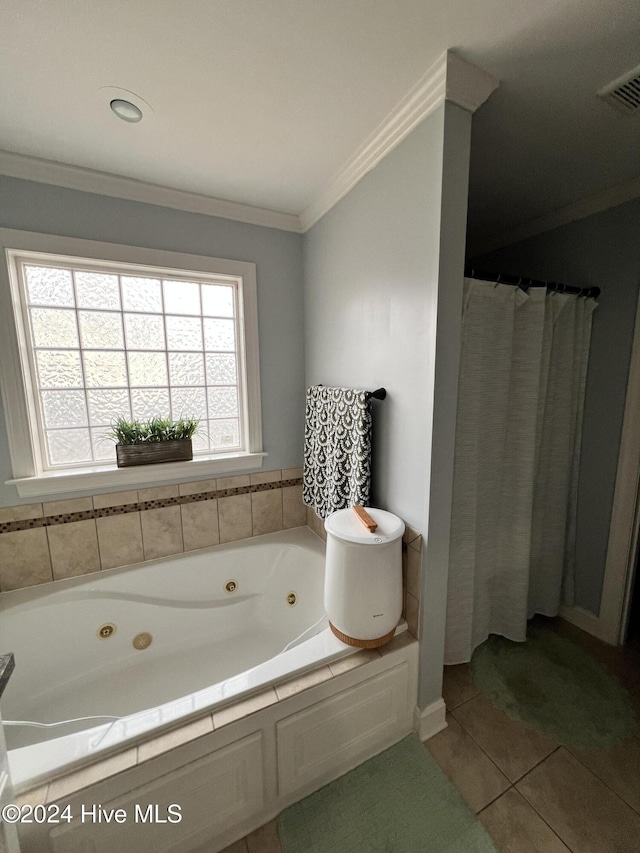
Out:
{"x": 624, "y": 93}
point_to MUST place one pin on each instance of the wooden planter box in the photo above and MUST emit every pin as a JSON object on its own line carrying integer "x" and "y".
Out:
{"x": 154, "y": 452}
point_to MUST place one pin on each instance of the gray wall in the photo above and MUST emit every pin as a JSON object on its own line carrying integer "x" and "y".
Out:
{"x": 603, "y": 251}
{"x": 31, "y": 206}
{"x": 373, "y": 267}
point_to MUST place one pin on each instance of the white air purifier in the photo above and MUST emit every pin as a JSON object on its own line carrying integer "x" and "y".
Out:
{"x": 363, "y": 577}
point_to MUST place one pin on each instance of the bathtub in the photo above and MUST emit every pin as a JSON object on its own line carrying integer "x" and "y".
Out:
{"x": 138, "y": 649}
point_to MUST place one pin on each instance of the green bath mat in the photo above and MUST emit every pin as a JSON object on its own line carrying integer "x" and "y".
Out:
{"x": 551, "y": 684}
{"x": 397, "y": 802}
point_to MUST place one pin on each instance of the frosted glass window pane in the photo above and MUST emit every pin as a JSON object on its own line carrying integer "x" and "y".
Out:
{"x": 186, "y": 368}
{"x": 53, "y": 327}
{"x": 217, "y": 300}
{"x": 100, "y": 330}
{"x": 47, "y": 286}
{"x": 150, "y": 403}
{"x": 64, "y": 408}
{"x": 223, "y": 402}
{"x": 104, "y": 449}
{"x": 107, "y": 404}
{"x": 201, "y": 439}
{"x": 104, "y": 369}
{"x": 97, "y": 290}
{"x": 221, "y": 369}
{"x": 141, "y": 294}
{"x": 67, "y": 446}
{"x": 219, "y": 334}
{"x": 147, "y": 368}
{"x": 144, "y": 331}
{"x": 224, "y": 434}
{"x": 184, "y": 333}
{"x": 181, "y": 297}
{"x": 59, "y": 369}
{"x": 188, "y": 403}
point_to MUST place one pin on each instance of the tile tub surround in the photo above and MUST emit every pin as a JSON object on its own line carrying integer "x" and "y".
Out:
{"x": 411, "y": 568}
{"x": 171, "y": 748}
{"x": 40, "y": 543}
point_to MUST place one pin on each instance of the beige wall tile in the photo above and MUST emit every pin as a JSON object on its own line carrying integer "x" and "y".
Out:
{"x": 414, "y": 572}
{"x": 34, "y": 797}
{"x": 398, "y": 642}
{"x": 578, "y": 807}
{"x": 20, "y": 513}
{"x": 265, "y": 839}
{"x": 24, "y": 559}
{"x": 115, "y": 499}
{"x": 412, "y": 610}
{"x": 90, "y": 775}
{"x": 265, "y": 477}
{"x": 410, "y": 534}
{"x": 200, "y": 524}
{"x": 514, "y": 748}
{"x": 64, "y": 507}
{"x": 316, "y": 523}
{"x": 74, "y": 549}
{"x": 291, "y": 473}
{"x": 161, "y": 532}
{"x": 516, "y": 828}
{"x": 198, "y": 488}
{"x": 303, "y": 682}
{"x": 339, "y": 667}
{"x": 266, "y": 511}
{"x": 177, "y": 737}
{"x": 120, "y": 540}
{"x": 243, "y": 708}
{"x": 233, "y": 482}
{"x": 157, "y": 493}
{"x": 234, "y": 518}
{"x": 475, "y": 776}
{"x": 294, "y": 512}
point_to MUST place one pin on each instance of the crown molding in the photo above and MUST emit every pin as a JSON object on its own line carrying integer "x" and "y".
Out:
{"x": 604, "y": 200}
{"x": 117, "y": 186}
{"x": 417, "y": 104}
{"x": 467, "y": 85}
{"x": 450, "y": 78}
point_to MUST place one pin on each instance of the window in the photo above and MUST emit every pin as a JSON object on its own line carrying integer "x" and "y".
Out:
{"x": 102, "y": 338}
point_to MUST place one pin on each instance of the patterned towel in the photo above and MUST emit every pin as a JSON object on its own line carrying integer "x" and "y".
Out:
{"x": 337, "y": 449}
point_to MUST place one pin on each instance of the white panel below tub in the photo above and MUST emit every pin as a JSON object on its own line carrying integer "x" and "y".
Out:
{"x": 215, "y": 792}
{"x": 322, "y": 741}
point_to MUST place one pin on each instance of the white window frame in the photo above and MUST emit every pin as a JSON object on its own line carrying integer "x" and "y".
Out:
{"x": 28, "y": 477}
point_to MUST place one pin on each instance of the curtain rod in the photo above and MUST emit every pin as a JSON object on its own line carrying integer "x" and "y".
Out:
{"x": 526, "y": 283}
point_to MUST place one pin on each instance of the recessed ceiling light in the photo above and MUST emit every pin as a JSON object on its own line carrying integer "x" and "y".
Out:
{"x": 126, "y": 110}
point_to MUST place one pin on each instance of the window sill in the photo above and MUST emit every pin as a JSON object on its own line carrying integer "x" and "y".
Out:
{"x": 108, "y": 476}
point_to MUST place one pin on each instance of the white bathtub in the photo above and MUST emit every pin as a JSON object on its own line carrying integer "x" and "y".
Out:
{"x": 209, "y": 646}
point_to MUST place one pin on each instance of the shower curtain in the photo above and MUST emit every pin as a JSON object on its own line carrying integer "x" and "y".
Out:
{"x": 517, "y": 450}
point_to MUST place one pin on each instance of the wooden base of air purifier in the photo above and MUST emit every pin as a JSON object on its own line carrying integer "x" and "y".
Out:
{"x": 362, "y": 644}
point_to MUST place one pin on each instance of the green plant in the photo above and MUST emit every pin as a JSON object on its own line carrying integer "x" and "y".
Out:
{"x": 124, "y": 431}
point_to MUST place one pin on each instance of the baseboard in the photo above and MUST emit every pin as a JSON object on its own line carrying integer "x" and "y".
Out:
{"x": 588, "y": 622}
{"x": 428, "y": 721}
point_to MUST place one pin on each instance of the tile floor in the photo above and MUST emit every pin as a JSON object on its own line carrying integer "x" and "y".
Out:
{"x": 531, "y": 794}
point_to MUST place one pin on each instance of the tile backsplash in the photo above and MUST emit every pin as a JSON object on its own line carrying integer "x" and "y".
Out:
{"x": 40, "y": 543}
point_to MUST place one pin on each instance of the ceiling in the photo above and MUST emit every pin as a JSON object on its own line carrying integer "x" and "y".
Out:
{"x": 263, "y": 102}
